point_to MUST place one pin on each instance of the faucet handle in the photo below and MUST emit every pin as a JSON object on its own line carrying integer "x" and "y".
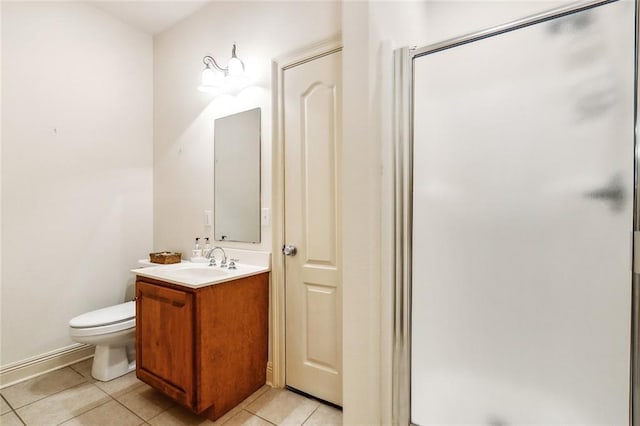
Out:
{"x": 232, "y": 263}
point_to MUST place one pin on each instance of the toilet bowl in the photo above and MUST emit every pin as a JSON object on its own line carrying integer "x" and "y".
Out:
{"x": 112, "y": 330}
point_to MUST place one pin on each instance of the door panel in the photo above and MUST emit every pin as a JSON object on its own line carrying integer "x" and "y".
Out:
{"x": 321, "y": 320}
{"x": 313, "y": 295}
{"x": 318, "y": 115}
{"x": 522, "y": 221}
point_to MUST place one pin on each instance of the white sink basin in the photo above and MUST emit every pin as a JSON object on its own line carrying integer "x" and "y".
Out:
{"x": 199, "y": 271}
{"x": 196, "y": 275}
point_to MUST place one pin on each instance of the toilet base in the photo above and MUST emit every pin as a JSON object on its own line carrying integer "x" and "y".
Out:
{"x": 110, "y": 362}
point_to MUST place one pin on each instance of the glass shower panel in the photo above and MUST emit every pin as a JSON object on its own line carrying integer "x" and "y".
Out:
{"x": 522, "y": 224}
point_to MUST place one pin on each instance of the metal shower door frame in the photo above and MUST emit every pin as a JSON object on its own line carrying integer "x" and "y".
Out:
{"x": 403, "y": 205}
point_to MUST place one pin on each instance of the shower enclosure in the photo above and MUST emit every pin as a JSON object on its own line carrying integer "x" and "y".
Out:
{"x": 515, "y": 193}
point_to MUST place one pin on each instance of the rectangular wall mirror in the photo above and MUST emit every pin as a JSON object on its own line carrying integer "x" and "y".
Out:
{"x": 237, "y": 177}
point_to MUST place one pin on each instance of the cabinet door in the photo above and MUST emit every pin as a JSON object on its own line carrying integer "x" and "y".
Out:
{"x": 164, "y": 340}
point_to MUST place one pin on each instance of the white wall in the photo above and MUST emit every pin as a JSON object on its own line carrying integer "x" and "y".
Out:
{"x": 183, "y": 122}
{"x": 371, "y": 30}
{"x": 76, "y": 168}
{"x": 361, "y": 218}
{"x": 1, "y": 133}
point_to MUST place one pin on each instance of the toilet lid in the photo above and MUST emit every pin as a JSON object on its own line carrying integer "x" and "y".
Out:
{"x": 105, "y": 316}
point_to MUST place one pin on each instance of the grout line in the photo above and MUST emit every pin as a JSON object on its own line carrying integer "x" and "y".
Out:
{"x": 246, "y": 407}
{"x": 20, "y": 418}
{"x": 232, "y": 417}
{"x": 86, "y": 411}
{"x": 80, "y": 362}
{"x": 309, "y": 416}
{"x": 260, "y": 395}
{"x": 12, "y": 410}
{"x": 77, "y": 372}
{"x": 5, "y": 400}
{"x": 135, "y": 388}
{"x": 147, "y": 421}
{"x": 173, "y": 404}
{"x": 253, "y": 414}
{"x": 47, "y": 396}
{"x": 103, "y": 391}
{"x": 133, "y": 412}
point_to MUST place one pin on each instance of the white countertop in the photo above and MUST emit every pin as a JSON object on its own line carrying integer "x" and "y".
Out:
{"x": 196, "y": 274}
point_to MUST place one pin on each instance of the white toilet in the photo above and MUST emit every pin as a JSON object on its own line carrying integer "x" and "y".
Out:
{"x": 113, "y": 331}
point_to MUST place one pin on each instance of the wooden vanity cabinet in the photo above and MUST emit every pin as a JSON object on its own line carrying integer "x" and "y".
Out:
{"x": 205, "y": 348}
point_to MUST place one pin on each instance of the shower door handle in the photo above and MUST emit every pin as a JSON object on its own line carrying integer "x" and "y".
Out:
{"x": 612, "y": 192}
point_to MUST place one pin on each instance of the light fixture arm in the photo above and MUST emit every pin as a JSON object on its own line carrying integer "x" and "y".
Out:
{"x": 211, "y": 63}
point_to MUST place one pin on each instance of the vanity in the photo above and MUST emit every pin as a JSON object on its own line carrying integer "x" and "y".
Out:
{"x": 202, "y": 333}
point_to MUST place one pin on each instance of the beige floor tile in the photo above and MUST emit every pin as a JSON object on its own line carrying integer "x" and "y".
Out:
{"x": 4, "y": 407}
{"x": 121, "y": 385}
{"x": 257, "y": 394}
{"x": 10, "y": 419}
{"x": 84, "y": 367}
{"x": 245, "y": 418}
{"x": 63, "y": 405}
{"x": 325, "y": 416}
{"x": 179, "y": 416}
{"x": 283, "y": 407}
{"x": 227, "y": 416}
{"x": 234, "y": 411}
{"x": 145, "y": 401}
{"x": 110, "y": 414}
{"x": 35, "y": 389}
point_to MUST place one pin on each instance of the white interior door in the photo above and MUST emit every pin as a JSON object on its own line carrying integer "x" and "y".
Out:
{"x": 522, "y": 222}
{"x": 312, "y": 134}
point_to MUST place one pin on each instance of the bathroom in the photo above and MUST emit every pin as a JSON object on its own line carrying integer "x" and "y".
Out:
{"x": 108, "y": 148}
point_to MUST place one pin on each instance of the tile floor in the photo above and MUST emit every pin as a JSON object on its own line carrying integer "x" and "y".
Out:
{"x": 70, "y": 396}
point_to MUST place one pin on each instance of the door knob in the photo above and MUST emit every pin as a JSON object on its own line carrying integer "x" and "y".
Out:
{"x": 289, "y": 250}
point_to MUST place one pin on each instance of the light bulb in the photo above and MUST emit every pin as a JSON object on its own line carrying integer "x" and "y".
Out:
{"x": 235, "y": 67}
{"x": 211, "y": 80}
{"x": 211, "y": 77}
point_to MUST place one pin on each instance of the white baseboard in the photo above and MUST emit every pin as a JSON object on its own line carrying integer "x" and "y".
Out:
{"x": 31, "y": 367}
{"x": 270, "y": 374}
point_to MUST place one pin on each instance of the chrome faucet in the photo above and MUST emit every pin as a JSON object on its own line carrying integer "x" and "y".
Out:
{"x": 212, "y": 259}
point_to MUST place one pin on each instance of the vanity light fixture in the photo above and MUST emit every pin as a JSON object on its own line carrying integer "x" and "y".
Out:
{"x": 217, "y": 79}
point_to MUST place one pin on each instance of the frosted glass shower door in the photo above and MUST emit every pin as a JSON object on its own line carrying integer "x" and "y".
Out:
{"x": 522, "y": 224}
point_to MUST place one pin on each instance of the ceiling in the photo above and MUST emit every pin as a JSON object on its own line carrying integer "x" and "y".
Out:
{"x": 150, "y": 16}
